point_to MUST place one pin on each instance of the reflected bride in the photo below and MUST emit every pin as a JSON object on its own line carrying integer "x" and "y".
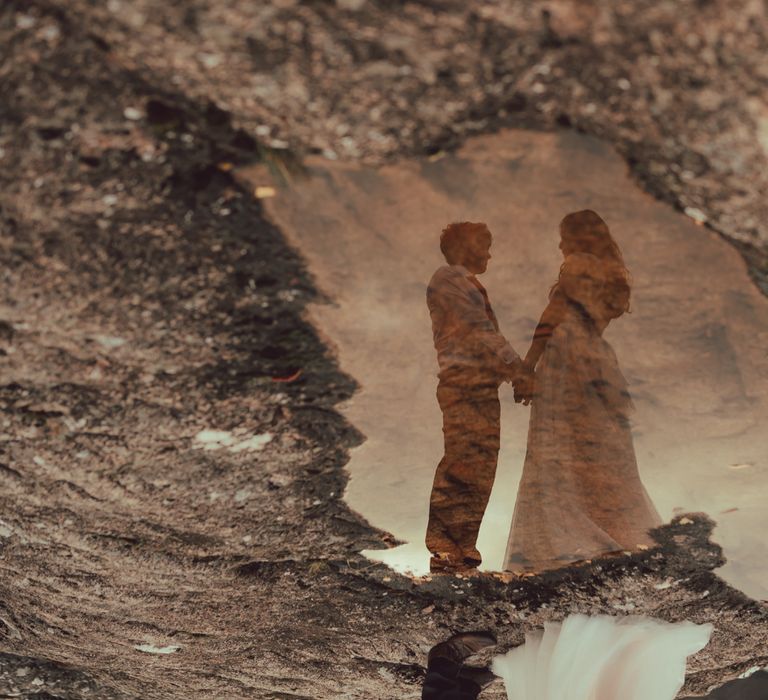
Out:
{"x": 601, "y": 658}
{"x": 580, "y": 495}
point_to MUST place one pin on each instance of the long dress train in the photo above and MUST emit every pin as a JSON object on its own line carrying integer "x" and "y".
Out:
{"x": 601, "y": 658}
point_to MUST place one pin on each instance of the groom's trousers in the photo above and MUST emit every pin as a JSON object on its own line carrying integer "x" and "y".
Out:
{"x": 464, "y": 478}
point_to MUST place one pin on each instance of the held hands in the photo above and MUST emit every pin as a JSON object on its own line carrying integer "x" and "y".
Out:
{"x": 524, "y": 383}
{"x": 512, "y": 371}
{"x": 523, "y": 380}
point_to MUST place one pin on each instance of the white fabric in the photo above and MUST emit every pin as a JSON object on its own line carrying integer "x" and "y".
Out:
{"x": 602, "y": 658}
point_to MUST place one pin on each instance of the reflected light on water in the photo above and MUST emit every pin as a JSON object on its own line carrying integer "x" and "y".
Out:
{"x": 692, "y": 349}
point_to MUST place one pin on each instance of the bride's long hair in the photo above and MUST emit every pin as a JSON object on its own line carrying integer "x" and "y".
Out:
{"x": 586, "y": 232}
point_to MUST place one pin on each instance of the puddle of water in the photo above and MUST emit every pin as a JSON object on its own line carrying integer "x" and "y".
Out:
{"x": 693, "y": 348}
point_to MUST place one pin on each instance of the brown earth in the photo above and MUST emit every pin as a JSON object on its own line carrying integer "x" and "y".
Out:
{"x": 145, "y": 299}
{"x": 678, "y": 86}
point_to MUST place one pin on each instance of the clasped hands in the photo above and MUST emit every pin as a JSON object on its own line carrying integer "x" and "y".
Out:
{"x": 523, "y": 381}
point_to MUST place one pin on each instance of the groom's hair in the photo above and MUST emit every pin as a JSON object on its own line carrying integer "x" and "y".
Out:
{"x": 456, "y": 236}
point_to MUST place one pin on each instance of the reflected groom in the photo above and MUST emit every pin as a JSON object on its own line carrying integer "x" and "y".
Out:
{"x": 473, "y": 359}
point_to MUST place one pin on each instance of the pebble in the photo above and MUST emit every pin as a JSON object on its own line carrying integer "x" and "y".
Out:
{"x": 696, "y": 214}
{"x": 25, "y": 21}
{"x": 152, "y": 649}
{"x": 264, "y": 192}
{"x": 209, "y": 60}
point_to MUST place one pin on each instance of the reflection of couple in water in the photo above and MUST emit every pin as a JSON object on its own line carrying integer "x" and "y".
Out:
{"x": 580, "y": 495}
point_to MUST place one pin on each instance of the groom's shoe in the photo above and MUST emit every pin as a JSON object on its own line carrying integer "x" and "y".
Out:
{"x": 447, "y": 677}
{"x": 472, "y": 558}
{"x": 461, "y": 646}
{"x": 454, "y": 562}
{"x": 444, "y": 563}
{"x": 446, "y": 680}
{"x": 441, "y": 565}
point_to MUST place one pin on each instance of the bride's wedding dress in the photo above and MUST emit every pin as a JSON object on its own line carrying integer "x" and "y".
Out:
{"x": 580, "y": 495}
{"x": 601, "y": 658}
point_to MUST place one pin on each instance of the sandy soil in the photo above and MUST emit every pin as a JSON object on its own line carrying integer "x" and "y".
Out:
{"x": 146, "y": 303}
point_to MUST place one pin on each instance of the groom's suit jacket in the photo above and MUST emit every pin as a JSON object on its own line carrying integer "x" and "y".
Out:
{"x": 464, "y": 327}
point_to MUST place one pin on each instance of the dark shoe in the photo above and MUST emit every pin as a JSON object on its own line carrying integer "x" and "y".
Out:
{"x": 445, "y": 682}
{"x": 472, "y": 562}
{"x": 444, "y": 563}
{"x": 447, "y": 677}
{"x": 481, "y": 677}
{"x": 441, "y": 567}
{"x": 461, "y": 646}
{"x": 472, "y": 558}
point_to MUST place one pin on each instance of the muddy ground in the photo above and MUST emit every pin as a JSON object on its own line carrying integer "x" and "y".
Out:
{"x": 145, "y": 299}
{"x": 678, "y": 86}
